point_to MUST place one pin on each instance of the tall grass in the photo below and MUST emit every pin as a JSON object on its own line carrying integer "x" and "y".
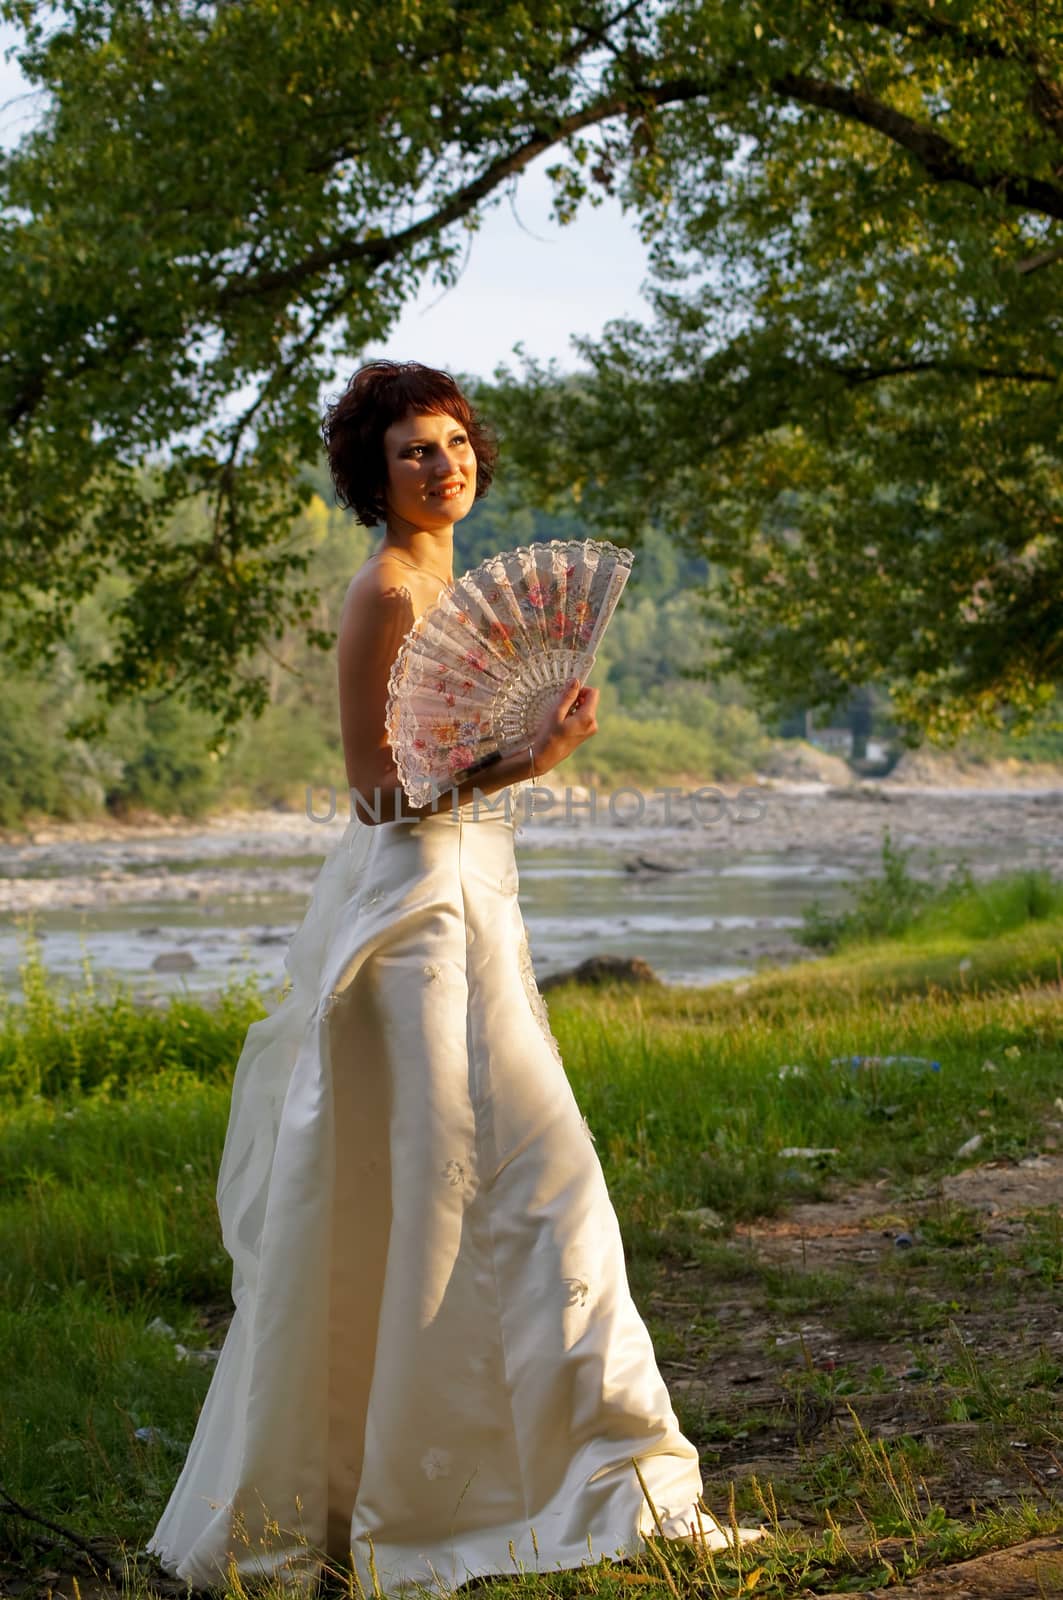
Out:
{"x": 89, "y": 1042}
{"x": 898, "y": 904}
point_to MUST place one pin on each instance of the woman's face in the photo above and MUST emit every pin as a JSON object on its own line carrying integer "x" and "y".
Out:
{"x": 431, "y": 467}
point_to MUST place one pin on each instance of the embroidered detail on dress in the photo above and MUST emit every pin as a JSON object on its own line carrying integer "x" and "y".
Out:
{"x": 535, "y": 999}
{"x": 518, "y": 807}
{"x": 436, "y": 1463}
{"x": 576, "y": 1291}
{"x": 454, "y": 1172}
{"x": 431, "y": 973}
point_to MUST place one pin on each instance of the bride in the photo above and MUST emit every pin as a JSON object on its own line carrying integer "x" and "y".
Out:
{"x": 435, "y": 1369}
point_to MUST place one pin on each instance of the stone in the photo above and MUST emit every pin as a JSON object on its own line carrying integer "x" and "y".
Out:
{"x": 704, "y": 1217}
{"x": 174, "y": 961}
{"x": 603, "y": 969}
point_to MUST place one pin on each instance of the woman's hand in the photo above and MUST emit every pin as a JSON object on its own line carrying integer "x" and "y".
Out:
{"x": 566, "y": 726}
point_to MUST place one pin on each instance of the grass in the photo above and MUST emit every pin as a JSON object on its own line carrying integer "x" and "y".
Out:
{"x": 898, "y": 905}
{"x": 112, "y": 1126}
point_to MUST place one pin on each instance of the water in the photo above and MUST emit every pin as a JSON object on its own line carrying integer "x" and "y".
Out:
{"x": 235, "y": 910}
{"x": 231, "y": 895}
{"x": 699, "y": 926}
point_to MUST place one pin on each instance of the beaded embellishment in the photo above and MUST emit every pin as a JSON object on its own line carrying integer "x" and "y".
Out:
{"x": 535, "y": 999}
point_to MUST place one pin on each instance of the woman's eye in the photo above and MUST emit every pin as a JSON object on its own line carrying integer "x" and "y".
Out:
{"x": 460, "y": 438}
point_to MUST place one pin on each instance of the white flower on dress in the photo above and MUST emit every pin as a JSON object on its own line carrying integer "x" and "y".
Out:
{"x": 454, "y": 1172}
{"x": 436, "y": 1463}
{"x": 576, "y": 1291}
{"x": 431, "y": 972}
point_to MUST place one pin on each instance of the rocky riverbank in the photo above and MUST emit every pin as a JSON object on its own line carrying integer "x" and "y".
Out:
{"x": 846, "y": 820}
{"x": 718, "y": 880}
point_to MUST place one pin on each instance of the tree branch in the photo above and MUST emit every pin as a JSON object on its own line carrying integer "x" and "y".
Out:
{"x": 375, "y": 252}
{"x": 68, "y": 1536}
{"x": 905, "y": 20}
{"x": 225, "y": 489}
{"x": 904, "y": 369}
{"x": 599, "y": 36}
{"x": 378, "y": 252}
{"x": 937, "y": 155}
{"x": 1047, "y": 258}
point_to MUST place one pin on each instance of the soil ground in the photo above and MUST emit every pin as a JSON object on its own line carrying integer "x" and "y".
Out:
{"x": 952, "y": 1342}
{"x": 1030, "y": 1571}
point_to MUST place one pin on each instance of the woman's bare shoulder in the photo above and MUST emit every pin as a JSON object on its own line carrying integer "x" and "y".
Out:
{"x": 376, "y": 616}
{"x": 374, "y": 592}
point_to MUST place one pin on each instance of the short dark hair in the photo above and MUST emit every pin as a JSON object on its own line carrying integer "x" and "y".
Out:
{"x": 354, "y": 424}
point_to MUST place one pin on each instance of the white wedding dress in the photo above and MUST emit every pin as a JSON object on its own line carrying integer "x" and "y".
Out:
{"x": 435, "y": 1365}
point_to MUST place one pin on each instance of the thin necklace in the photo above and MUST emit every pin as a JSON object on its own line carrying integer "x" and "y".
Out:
{"x": 449, "y": 582}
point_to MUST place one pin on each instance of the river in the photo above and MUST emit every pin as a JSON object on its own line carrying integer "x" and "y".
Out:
{"x": 699, "y": 900}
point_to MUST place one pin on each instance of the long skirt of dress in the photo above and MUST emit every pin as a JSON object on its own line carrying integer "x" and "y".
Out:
{"x": 435, "y": 1367}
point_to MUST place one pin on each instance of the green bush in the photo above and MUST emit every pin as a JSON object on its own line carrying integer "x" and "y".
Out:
{"x": 42, "y": 773}
{"x": 166, "y": 765}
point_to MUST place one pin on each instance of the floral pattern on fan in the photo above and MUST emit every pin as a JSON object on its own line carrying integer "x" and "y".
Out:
{"x": 478, "y": 671}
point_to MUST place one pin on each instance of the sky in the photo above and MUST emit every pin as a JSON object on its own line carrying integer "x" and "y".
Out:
{"x": 526, "y": 279}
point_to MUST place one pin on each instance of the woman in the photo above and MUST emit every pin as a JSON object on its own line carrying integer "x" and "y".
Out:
{"x": 435, "y": 1365}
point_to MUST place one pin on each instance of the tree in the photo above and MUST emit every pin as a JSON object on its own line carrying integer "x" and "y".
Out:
{"x": 221, "y": 203}
{"x": 225, "y": 202}
{"x": 849, "y": 398}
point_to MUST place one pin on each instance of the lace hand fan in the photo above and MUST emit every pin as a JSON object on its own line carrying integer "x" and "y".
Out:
{"x": 479, "y": 670}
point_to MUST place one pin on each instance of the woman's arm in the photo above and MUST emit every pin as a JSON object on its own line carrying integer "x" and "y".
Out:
{"x": 376, "y": 618}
